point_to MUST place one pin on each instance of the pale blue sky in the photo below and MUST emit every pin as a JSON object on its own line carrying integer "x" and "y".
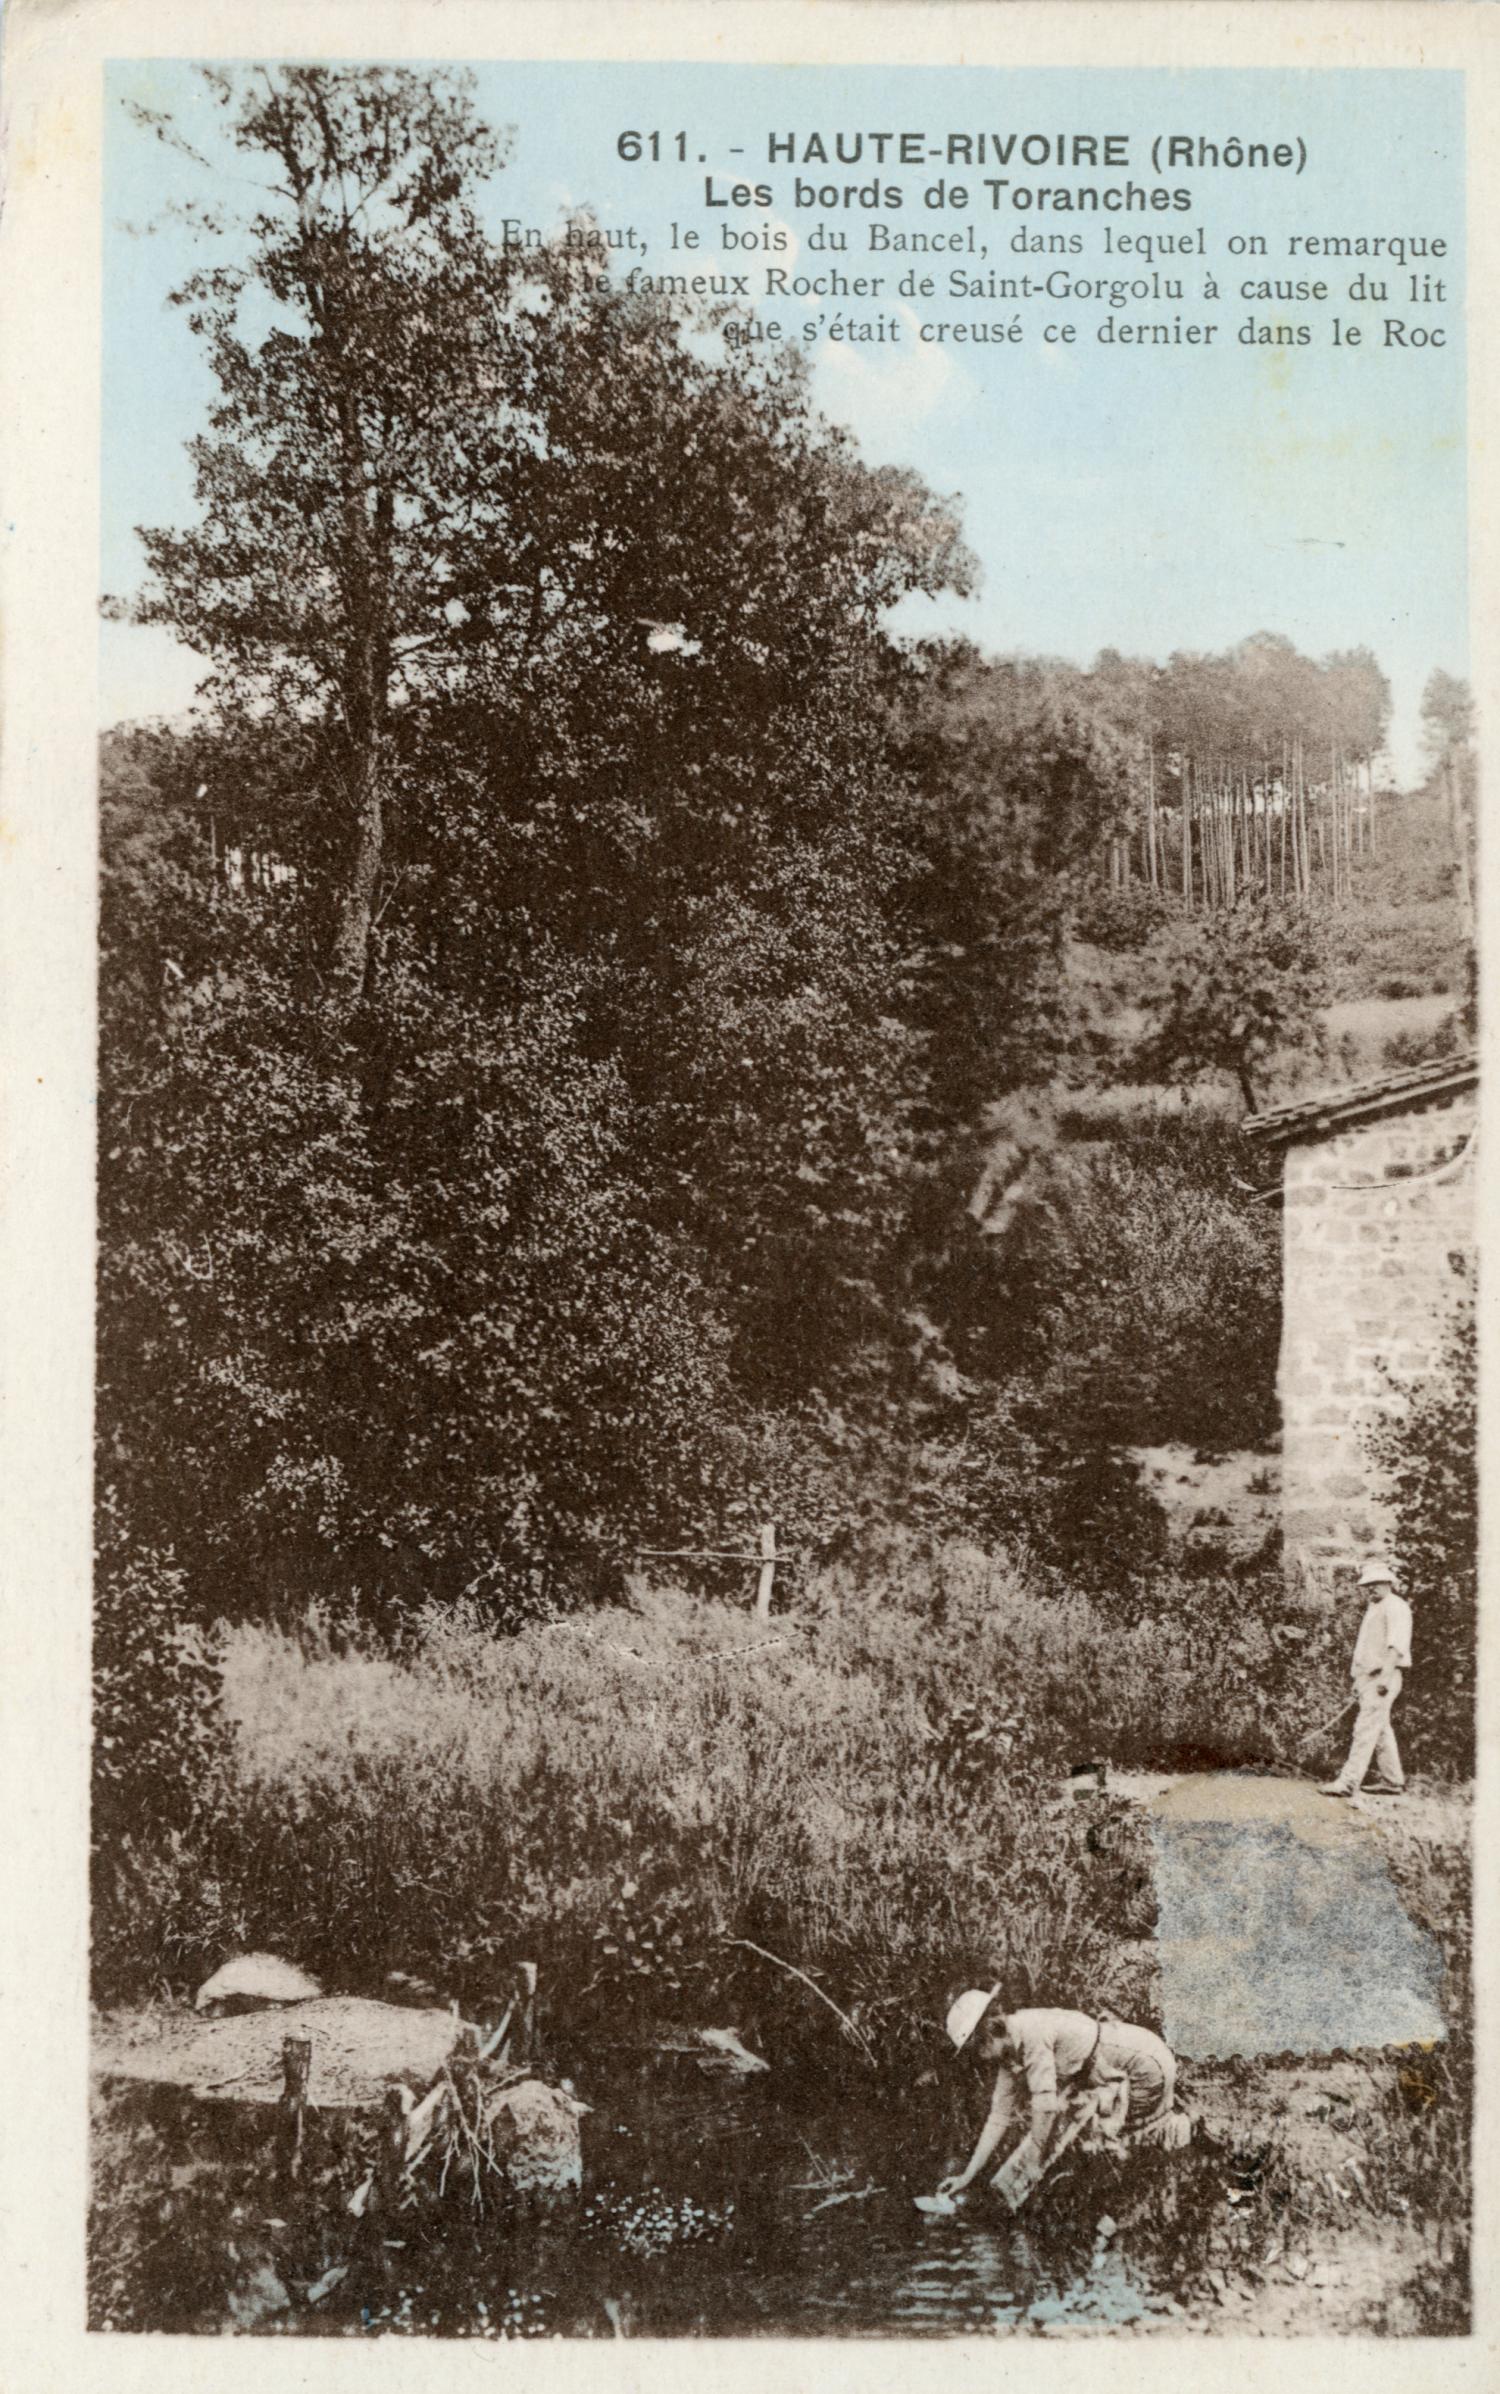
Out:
{"x": 1145, "y": 499}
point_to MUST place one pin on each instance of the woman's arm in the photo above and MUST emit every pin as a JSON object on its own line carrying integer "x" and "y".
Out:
{"x": 1046, "y": 2112}
{"x": 1001, "y": 2111}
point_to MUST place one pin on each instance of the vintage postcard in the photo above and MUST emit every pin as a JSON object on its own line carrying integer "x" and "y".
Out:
{"x": 742, "y": 787}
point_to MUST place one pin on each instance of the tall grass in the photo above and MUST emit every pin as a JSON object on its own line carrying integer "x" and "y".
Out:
{"x": 866, "y": 1788}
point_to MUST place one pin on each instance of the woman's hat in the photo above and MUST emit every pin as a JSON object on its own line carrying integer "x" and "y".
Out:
{"x": 965, "y": 2015}
{"x": 1375, "y": 1574}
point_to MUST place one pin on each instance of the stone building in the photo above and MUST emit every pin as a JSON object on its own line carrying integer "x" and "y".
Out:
{"x": 1378, "y": 1209}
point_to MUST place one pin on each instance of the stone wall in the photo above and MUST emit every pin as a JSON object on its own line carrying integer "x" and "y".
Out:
{"x": 1376, "y": 1231}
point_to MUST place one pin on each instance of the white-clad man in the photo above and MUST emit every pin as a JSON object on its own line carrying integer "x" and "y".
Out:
{"x": 1382, "y": 1656}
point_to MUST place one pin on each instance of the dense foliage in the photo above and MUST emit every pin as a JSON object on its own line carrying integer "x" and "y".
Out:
{"x": 582, "y": 1007}
{"x": 1245, "y": 990}
{"x": 889, "y": 1828}
{"x": 1429, "y": 1455}
{"x": 505, "y": 1076}
{"x": 1132, "y": 1294}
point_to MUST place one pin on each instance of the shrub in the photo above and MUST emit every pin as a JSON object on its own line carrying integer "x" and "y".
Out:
{"x": 1139, "y": 1288}
{"x": 1412, "y": 946}
{"x": 156, "y": 1686}
{"x": 1429, "y": 1456}
{"x": 1101, "y": 1527}
{"x": 1122, "y": 920}
{"x": 1441, "y": 1038}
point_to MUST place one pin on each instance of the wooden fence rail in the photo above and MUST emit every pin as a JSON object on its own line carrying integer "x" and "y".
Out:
{"x": 766, "y": 1556}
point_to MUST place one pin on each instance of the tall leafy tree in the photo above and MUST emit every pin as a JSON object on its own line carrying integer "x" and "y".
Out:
{"x": 1448, "y": 737}
{"x": 357, "y": 448}
{"x": 1021, "y": 779}
{"x": 545, "y": 1107}
{"x": 1244, "y": 988}
{"x": 1447, "y": 714}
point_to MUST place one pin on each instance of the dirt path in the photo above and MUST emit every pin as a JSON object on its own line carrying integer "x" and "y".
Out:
{"x": 1430, "y": 1814}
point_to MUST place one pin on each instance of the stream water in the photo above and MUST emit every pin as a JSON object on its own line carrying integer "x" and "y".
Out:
{"x": 707, "y": 2210}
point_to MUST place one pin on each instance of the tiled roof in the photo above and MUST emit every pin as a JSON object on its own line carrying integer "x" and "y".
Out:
{"x": 1361, "y": 1101}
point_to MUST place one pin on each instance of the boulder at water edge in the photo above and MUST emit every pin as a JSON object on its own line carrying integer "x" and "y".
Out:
{"x": 534, "y": 2129}
{"x": 252, "y": 1980}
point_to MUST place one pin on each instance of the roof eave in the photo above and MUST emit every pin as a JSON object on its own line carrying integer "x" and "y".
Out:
{"x": 1338, "y": 1109}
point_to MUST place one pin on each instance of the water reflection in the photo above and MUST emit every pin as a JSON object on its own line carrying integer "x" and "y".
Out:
{"x": 749, "y": 2208}
{"x": 737, "y": 2211}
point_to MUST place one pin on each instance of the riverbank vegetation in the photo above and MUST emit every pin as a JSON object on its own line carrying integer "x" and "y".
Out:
{"x": 870, "y": 1785}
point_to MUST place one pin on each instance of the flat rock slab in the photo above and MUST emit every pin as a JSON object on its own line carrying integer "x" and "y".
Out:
{"x": 358, "y": 2049}
{"x": 1280, "y": 1929}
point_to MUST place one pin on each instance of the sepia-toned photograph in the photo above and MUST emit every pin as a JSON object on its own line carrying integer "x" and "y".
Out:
{"x": 785, "y": 1474}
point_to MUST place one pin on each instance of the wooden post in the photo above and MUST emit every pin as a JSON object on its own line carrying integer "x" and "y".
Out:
{"x": 296, "y": 2065}
{"x": 523, "y": 2037}
{"x": 390, "y": 2157}
{"x": 767, "y": 1571}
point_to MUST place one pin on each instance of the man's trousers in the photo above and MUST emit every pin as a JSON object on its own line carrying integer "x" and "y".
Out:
{"x": 1374, "y": 1739}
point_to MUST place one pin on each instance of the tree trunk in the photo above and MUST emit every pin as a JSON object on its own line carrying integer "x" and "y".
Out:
{"x": 1208, "y": 842}
{"x": 366, "y": 602}
{"x": 1151, "y": 871}
{"x": 1246, "y": 814}
{"x": 351, "y": 938}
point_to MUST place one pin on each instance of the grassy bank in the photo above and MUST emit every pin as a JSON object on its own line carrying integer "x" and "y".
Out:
{"x": 866, "y": 1787}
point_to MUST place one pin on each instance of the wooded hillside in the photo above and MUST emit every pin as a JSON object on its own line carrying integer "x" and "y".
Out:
{"x": 565, "y": 990}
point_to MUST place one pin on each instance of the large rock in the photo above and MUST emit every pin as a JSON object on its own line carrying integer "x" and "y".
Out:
{"x": 253, "y": 1981}
{"x": 359, "y": 2048}
{"x": 534, "y": 2130}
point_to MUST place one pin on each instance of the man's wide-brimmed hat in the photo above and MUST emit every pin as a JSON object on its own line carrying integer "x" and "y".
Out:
{"x": 1376, "y": 1574}
{"x": 965, "y": 2015}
